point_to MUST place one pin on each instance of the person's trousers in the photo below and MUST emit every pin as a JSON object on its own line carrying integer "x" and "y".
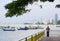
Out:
{"x": 47, "y": 33}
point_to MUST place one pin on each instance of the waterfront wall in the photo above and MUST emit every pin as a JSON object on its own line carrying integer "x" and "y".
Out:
{"x": 34, "y": 37}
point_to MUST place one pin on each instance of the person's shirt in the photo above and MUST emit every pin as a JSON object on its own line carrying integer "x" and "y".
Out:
{"x": 47, "y": 28}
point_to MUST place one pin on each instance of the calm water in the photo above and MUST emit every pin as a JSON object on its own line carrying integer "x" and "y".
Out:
{"x": 16, "y": 35}
{"x": 10, "y": 35}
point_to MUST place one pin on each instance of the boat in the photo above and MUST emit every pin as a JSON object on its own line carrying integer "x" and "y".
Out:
{"x": 8, "y": 28}
{"x": 57, "y": 25}
{"x": 36, "y": 27}
{"x": 26, "y": 28}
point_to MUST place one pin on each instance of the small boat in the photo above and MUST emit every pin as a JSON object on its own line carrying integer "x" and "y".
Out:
{"x": 26, "y": 28}
{"x": 36, "y": 27}
{"x": 8, "y": 28}
{"x": 58, "y": 26}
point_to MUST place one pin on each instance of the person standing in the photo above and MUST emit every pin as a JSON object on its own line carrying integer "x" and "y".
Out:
{"x": 47, "y": 29}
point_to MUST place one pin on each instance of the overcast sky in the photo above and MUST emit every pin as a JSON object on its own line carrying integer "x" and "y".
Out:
{"x": 48, "y": 12}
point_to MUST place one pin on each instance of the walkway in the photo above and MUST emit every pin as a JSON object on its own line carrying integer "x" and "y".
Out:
{"x": 54, "y": 36}
{"x": 50, "y": 39}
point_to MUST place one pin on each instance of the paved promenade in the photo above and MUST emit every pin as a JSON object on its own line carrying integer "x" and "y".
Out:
{"x": 50, "y": 39}
{"x": 54, "y": 36}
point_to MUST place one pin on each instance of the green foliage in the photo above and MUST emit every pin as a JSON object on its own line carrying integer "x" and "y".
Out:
{"x": 51, "y": 0}
{"x": 19, "y": 7}
{"x": 57, "y": 6}
{"x": 43, "y": 0}
{"x": 47, "y": 0}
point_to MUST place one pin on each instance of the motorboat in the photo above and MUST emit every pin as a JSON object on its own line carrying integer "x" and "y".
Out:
{"x": 8, "y": 28}
{"x": 25, "y": 28}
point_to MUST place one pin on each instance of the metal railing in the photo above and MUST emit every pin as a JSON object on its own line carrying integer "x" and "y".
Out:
{"x": 33, "y": 37}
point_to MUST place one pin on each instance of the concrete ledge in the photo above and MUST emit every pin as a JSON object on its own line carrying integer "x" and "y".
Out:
{"x": 36, "y": 37}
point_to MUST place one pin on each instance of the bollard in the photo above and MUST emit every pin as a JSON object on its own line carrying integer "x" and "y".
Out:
{"x": 35, "y": 36}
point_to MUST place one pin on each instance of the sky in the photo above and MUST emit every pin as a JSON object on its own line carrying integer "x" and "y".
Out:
{"x": 48, "y": 12}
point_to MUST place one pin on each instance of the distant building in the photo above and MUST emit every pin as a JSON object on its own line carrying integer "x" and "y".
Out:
{"x": 56, "y": 18}
{"x": 32, "y": 23}
{"x": 51, "y": 21}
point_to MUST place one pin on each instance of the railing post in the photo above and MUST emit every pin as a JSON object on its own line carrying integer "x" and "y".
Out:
{"x": 26, "y": 39}
{"x": 31, "y": 37}
{"x": 38, "y": 36}
{"x": 35, "y": 36}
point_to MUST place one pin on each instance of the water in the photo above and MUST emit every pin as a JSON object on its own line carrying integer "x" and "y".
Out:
{"x": 16, "y": 35}
{"x": 8, "y": 36}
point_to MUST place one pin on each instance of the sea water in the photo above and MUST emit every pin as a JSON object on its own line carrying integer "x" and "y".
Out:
{"x": 16, "y": 35}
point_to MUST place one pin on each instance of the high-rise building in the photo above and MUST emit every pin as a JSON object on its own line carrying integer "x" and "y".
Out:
{"x": 56, "y": 18}
{"x": 51, "y": 21}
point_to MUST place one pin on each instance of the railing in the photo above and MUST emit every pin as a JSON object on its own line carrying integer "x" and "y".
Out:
{"x": 33, "y": 37}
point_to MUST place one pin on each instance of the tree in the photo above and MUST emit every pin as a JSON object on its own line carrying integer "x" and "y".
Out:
{"x": 18, "y": 7}
{"x": 57, "y": 6}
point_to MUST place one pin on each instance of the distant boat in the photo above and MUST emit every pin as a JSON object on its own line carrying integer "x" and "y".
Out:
{"x": 36, "y": 27}
{"x": 58, "y": 26}
{"x": 26, "y": 28}
{"x": 8, "y": 28}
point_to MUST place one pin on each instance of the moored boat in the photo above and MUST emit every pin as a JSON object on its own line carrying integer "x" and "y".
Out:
{"x": 26, "y": 28}
{"x": 8, "y": 28}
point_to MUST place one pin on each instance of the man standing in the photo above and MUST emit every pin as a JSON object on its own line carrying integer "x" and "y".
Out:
{"x": 47, "y": 29}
